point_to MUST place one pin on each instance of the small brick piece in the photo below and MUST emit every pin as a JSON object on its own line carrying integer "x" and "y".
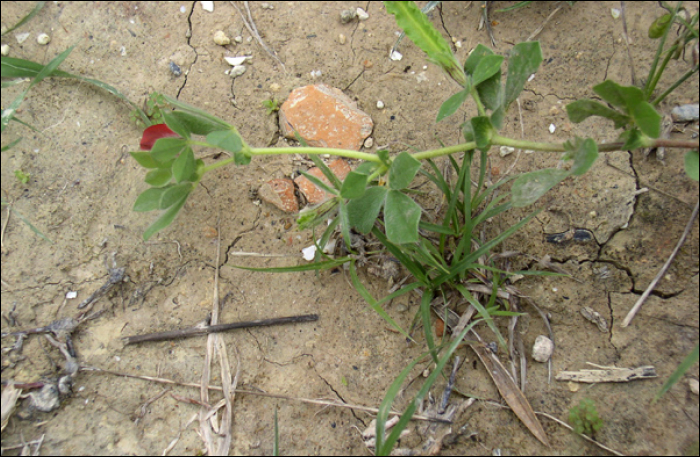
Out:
{"x": 313, "y": 194}
{"x": 280, "y": 193}
{"x": 324, "y": 117}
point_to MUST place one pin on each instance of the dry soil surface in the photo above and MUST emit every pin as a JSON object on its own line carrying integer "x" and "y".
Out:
{"x": 83, "y": 184}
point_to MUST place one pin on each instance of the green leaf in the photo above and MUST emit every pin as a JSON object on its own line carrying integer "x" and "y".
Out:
{"x": 690, "y": 360}
{"x": 354, "y": 185}
{"x": 692, "y": 164}
{"x": 419, "y": 29}
{"x": 383, "y": 155}
{"x": 174, "y": 123}
{"x": 401, "y": 217}
{"x": 363, "y": 211}
{"x": 581, "y": 110}
{"x": 624, "y": 97}
{"x": 531, "y": 186}
{"x": 633, "y": 139}
{"x": 228, "y": 140}
{"x": 196, "y": 124}
{"x": 166, "y": 149}
{"x": 525, "y": 58}
{"x": 144, "y": 159}
{"x": 165, "y": 219}
{"x": 159, "y": 177}
{"x": 149, "y": 199}
{"x": 659, "y": 26}
{"x": 483, "y": 132}
{"x": 173, "y": 194}
{"x": 584, "y": 153}
{"x": 488, "y": 66}
{"x": 403, "y": 170}
{"x": 241, "y": 158}
{"x": 491, "y": 93}
{"x": 479, "y": 52}
{"x": 206, "y": 117}
{"x": 647, "y": 119}
{"x": 183, "y": 166}
{"x": 452, "y": 104}
{"x": 25, "y": 19}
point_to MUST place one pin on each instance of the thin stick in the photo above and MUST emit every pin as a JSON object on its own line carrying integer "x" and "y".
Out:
{"x": 662, "y": 272}
{"x": 192, "y": 331}
{"x": 627, "y": 41}
{"x": 367, "y": 409}
{"x": 254, "y": 31}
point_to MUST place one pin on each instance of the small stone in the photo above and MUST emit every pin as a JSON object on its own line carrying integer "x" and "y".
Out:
{"x": 71, "y": 294}
{"x": 552, "y": 128}
{"x": 693, "y": 384}
{"x": 267, "y": 6}
{"x": 274, "y": 87}
{"x": 314, "y": 194}
{"x": 554, "y": 110}
{"x": 221, "y": 39}
{"x": 234, "y": 61}
{"x": 43, "y": 39}
{"x": 342, "y": 39}
{"x": 505, "y": 151}
{"x": 369, "y": 142}
{"x": 175, "y": 69}
{"x": 380, "y": 104}
{"x": 22, "y": 37}
{"x": 458, "y": 44}
{"x": 615, "y": 13}
{"x": 208, "y": 6}
{"x": 324, "y": 117}
{"x": 542, "y": 349}
{"x": 238, "y": 39}
{"x": 4, "y": 49}
{"x": 209, "y": 232}
{"x": 236, "y": 71}
{"x": 347, "y": 15}
{"x": 573, "y": 386}
{"x": 280, "y": 193}
{"x": 362, "y": 14}
{"x": 395, "y": 56}
{"x": 685, "y": 113}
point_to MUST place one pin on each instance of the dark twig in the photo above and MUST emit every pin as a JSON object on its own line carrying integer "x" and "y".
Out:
{"x": 116, "y": 275}
{"x": 204, "y": 330}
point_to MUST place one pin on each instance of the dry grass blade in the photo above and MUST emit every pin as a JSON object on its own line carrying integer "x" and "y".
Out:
{"x": 509, "y": 391}
{"x": 217, "y": 437}
{"x": 10, "y": 394}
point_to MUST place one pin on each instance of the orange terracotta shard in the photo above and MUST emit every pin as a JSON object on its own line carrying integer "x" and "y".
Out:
{"x": 325, "y": 117}
{"x": 280, "y": 193}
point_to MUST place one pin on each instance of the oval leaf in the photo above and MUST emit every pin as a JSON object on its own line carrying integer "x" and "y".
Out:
{"x": 584, "y": 153}
{"x": 647, "y": 119}
{"x": 183, "y": 167}
{"x": 363, "y": 211}
{"x": 144, "y": 159}
{"x": 531, "y": 186}
{"x": 525, "y": 58}
{"x": 401, "y": 217}
{"x": 403, "y": 170}
{"x": 166, "y": 149}
{"x": 488, "y": 66}
{"x": 173, "y": 194}
{"x": 581, "y": 110}
{"x": 149, "y": 199}
{"x": 354, "y": 185}
{"x": 164, "y": 220}
{"x": 452, "y": 104}
{"x": 227, "y": 140}
{"x": 159, "y": 177}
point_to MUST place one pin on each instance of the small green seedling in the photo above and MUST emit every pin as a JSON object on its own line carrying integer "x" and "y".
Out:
{"x": 584, "y": 417}
{"x": 22, "y": 176}
{"x": 272, "y": 105}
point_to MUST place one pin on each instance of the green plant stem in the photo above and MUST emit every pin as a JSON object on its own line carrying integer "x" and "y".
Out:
{"x": 464, "y": 147}
{"x": 649, "y": 88}
{"x": 674, "y": 85}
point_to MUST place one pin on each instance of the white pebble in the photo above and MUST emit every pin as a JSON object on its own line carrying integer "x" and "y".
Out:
{"x": 396, "y": 55}
{"x": 552, "y": 128}
{"x": 208, "y": 6}
{"x": 5, "y": 49}
{"x": 693, "y": 383}
{"x": 221, "y": 39}
{"x": 369, "y": 142}
{"x": 362, "y": 14}
{"x": 380, "y": 104}
{"x": 267, "y": 6}
{"x": 71, "y": 294}
{"x": 236, "y": 71}
{"x": 615, "y": 13}
{"x": 458, "y": 44}
{"x": 22, "y": 37}
{"x": 309, "y": 252}
{"x": 43, "y": 38}
{"x": 183, "y": 9}
{"x": 506, "y": 150}
{"x": 531, "y": 77}
{"x": 238, "y": 39}
{"x": 342, "y": 39}
{"x": 542, "y": 349}
{"x": 315, "y": 74}
{"x": 234, "y": 61}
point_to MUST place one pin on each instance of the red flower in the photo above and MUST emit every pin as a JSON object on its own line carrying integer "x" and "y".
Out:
{"x": 156, "y": 132}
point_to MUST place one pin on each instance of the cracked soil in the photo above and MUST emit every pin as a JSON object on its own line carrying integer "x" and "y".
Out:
{"x": 83, "y": 185}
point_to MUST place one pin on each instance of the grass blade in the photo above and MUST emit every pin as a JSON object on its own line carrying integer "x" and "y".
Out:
{"x": 25, "y": 19}
{"x": 685, "y": 365}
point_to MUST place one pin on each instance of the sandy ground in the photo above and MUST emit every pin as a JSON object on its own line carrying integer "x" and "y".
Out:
{"x": 83, "y": 185}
